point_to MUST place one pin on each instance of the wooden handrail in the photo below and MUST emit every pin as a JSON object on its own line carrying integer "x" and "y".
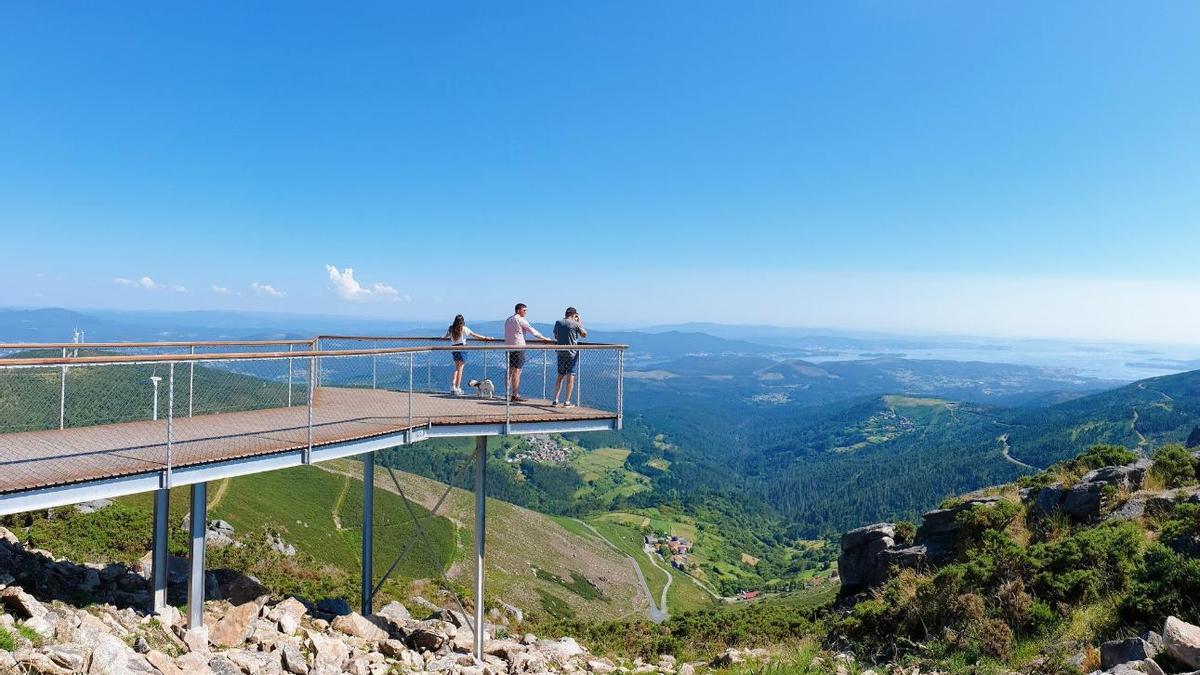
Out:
{"x": 148, "y": 345}
{"x": 267, "y": 356}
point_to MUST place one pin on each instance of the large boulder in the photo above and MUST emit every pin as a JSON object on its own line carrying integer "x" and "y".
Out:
{"x": 859, "y": 564}
{"x": 1128, "y": 476}
{"x": 233, "y": 628}
{"x": 1049, "y": 499}
{"x": 1116, "y": 652}
{"x": 1086, "y": 500}
{"x": 21, "y": 604}
{"x": 1182, "y": 641}
{"x": 359, "y": 626}
{"x": 940, "y": 532}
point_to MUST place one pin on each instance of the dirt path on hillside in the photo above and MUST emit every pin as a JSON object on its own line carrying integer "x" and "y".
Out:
{"x": 222, "y": 488}
{"x": 337, "y": 503}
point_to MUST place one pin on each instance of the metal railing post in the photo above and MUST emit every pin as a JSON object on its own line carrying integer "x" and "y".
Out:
{"x": 171, "y": 418}
{"x": 290, "y": 376}
{"x": 374, "y": 369}
{"x": 317, "y": 348}
{"x": 410, "y": 392}
{"x": 579, "y": 379}
{"x": 429, "y": 371}
{"x": 191, "y": 381}
{"x": 62, "y": 394}
{"x": 508, "y": 394}
{"x": 480, "y": 539}
{"x": 620, "y": 388}
{"x": 545, "y": 370}
{"x": 485, "y": 358}
{"x": 312, "y": 386}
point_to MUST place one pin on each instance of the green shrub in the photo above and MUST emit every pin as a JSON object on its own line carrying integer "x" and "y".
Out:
{"x": 1175, "y": 465}
{"x": 118, "y": 533}
{"x": 906, "y": 533}
{"x": 1089, "y": 563}
{"x": 979, "y": 520}
{"x": 7, "y": 642}
{"x": 1099, "y": 456}
{"x": 1166, "y": 584}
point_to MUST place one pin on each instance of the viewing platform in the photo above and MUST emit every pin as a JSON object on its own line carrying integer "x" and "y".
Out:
{"x": 80, "y": 422}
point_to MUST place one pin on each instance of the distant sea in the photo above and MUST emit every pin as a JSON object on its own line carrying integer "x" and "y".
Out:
{"x": 1109, "y": 363}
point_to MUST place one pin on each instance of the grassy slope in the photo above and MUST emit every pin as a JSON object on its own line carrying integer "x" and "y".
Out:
{"x": 299, "y": 504}
{"x": 604, "y": 473}
{"x": 518, "y": 541}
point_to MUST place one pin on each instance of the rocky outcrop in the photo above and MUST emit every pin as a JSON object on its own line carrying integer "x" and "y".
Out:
{"x": 1090, "y": 497}
{"x": 940, "y": 532}
{"x": 860, "y": 565}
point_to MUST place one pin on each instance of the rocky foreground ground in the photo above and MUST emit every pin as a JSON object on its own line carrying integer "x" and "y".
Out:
{"x": 255, "y": 637}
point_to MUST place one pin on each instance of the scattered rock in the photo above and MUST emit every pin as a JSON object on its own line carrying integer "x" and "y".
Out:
{"x": 70, "y": 656}
{"x": 93, "y": 506}
{"x": 359, "y": 626}
{"x": 1182, "y": 641}
{"x": 21, "y": 604}
{"x": 196, "y": 639}
{"x": 233, "y": 628}
{"x": 1116, "y": 652}
{"x": 293, "y": 661}
{"x": 277, "y": 543}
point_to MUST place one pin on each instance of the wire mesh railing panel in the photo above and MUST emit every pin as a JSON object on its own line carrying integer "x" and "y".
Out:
{"x": 219, "y": 386}
{"x": 29, "y": 399}
{"x": 109, "y": 415}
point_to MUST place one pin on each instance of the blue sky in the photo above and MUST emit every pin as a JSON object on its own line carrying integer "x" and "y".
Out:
{"x": 1024, "y": 169}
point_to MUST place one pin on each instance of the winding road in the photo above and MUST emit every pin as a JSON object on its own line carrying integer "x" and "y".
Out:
{"x": 1005, "y": 451}
{"x": 658, "y": 612}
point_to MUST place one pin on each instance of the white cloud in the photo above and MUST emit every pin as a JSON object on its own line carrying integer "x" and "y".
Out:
{"x": 146, "y": 283}
{"x": 221, "y": 290}
{"x": 348, "y": 288}
{"x": 266, "y": 290}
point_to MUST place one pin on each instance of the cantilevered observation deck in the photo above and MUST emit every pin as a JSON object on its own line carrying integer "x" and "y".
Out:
{"x": 86, "y": 421}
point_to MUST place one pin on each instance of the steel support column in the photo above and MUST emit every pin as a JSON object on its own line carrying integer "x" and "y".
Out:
{"x": 198, "y": 526}
{"x": 158, "y": 562}
{"x": 368, "y": 532}
{"x": 480, "y": 537}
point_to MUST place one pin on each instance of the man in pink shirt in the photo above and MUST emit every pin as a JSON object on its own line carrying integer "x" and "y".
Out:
{"x": 515, "y": 329}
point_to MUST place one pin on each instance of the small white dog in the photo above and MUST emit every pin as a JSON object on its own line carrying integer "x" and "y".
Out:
{"x": 485, "y": 388}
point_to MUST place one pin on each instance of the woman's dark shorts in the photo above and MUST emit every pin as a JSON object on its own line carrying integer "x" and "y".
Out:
{"x": 568, "y": 363}
{"x": 516, "y": 359}
{"x": 459, "y": 357}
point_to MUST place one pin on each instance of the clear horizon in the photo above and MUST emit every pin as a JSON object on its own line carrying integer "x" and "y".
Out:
{"x": 952, "y": 170}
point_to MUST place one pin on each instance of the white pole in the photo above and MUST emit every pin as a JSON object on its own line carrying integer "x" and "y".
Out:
{"x": 154, "y": 379}
{"x": 480, "y": 536}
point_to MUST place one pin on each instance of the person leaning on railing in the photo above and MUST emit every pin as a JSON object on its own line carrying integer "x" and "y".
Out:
{"x": 458, "y": 333}
{"x": 515, "y": 330}
{"x": 567, "y": 331}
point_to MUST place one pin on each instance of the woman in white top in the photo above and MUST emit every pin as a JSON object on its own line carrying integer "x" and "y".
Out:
{"x": 458, "y": 333}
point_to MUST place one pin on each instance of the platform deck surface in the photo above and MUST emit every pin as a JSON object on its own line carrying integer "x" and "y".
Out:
{"x": 36, "y": 459}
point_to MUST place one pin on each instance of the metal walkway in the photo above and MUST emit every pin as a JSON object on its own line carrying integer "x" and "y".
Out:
{"x": 87, "y": 421}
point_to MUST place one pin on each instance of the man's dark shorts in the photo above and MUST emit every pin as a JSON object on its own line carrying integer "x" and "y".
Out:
{"x": 516, "y": 359}
{"x": 568, "y": 363}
